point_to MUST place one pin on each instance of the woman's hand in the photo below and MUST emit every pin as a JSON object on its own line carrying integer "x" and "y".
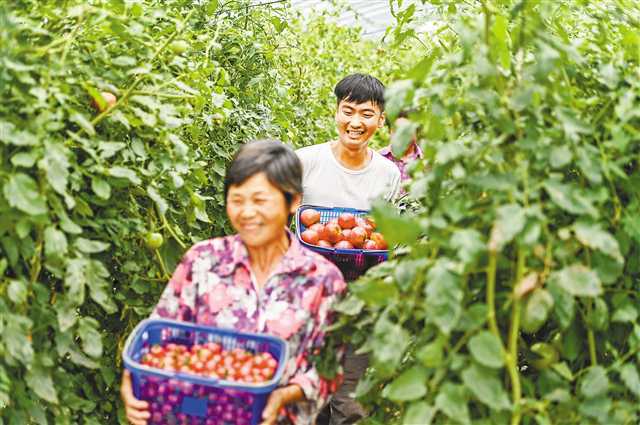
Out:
{"x": 274, "y": 404}
{"x": 277, "y": 400}
{"x": 137, "y": 410}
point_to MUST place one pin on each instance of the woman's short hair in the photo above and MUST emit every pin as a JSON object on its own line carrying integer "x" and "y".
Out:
{"x": 278, "y": 161}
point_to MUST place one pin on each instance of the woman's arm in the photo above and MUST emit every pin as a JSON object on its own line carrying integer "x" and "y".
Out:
{"x": 277, "y": 400}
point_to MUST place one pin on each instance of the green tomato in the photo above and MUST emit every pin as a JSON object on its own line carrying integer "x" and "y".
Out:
{"x": 154, "y": 240}
{"x": 547, "y": 355}
{"x": 179, "y": 47}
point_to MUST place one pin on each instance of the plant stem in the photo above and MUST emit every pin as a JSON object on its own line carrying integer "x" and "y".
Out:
{"x": 166, "y": 274}
{"x": 591, "y": 338}
{"x": 171, "y": 231}
{"x": 592, "y": 347}
{"x": 514, "y": 333}
{"x": 491, "y": 294}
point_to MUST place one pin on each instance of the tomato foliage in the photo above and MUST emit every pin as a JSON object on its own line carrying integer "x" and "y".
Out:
{"x": 513, "y": 293}
{"x": 97, "y": 207}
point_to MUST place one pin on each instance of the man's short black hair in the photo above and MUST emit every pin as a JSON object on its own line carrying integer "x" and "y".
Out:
{"x": 278, "y": 161}
{"x": 360, "y": 88}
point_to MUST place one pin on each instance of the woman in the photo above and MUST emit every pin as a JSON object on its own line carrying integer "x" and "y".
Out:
{"x": 259, "y": 280}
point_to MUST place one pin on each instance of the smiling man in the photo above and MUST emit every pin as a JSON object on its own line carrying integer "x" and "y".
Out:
{"x": 346, "y": 172}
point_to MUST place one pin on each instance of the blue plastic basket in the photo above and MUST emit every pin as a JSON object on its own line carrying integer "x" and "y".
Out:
{"x": 197, "y": 399}
{"x": 351, "y": 262}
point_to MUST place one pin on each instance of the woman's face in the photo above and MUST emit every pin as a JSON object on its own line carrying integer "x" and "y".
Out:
{"x": 258, "y": 210}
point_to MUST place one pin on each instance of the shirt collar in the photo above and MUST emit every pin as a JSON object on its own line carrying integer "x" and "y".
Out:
{"x": 387, "y": 153}
{"x": 295, "y": 259}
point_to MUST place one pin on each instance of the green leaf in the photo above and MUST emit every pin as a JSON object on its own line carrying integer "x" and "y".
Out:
{"x": 486, "y": 349}
{"x": 24, "y": 159}
{"x": 500, "y": 30}
{"x": 595, "y": 382}
{"x": 630, "y": 377}
{"x": 75, "y": 280}
{"x": 161, "y": 203}
{"x": 90, "y": 247}
{"x": 90, "y": 336}
{"x": 572, "y": 125}
{"x": 351, "y": 306}
{"x": 410, "y": 385}
{"x": 452, "y": 401}
{"x": 396, "y": 228}
{"x": 125, "y": 173}
{"x": 17, "y": 291}
{"x": 473, "y": 318}
{"x": 402, "y": 137}
{"x": 570, "y": 198}
{"x": 578, "y": 280}
{"x": 406, "y": 272}
{"x": 100, "y": 289}
{"x": 444, "y": 296}
{"x": 598, "y": 318}
{"x": 101, "y": 188}
{"x": 55, "y": 164}
{"x": 560, "y": 156}
{"x": 419, "y": 412}
{"x": 389, "y": 341}
{"x": 55, "y": 243}
{"x": 21, "y": 191}
{"x": 66, "y": 313}
{"x": 536, "y": 310}
{"x": 564, "y": 304}
{"x": 626, "y": 310}
{"x": 375, "y": 292}
{"x": 125, "y": 61}
{"x": 468, "y": 245}
{"x": 509, "y": 222}
{"x": 422, "y": 68}
{"x": 17, "y": 338}
{"x": 593, "y": 236}
{"x": 432, "y": 354}
{"x": 39, "y": 380}
{"x": 83, "y": 123}
{"x": 486, "y": 387}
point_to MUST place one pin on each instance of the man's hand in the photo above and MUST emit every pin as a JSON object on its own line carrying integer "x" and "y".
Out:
{"x": 137, "y": 410}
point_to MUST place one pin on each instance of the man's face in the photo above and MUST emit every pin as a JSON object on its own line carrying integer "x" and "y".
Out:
{"x": 357, "y": 122}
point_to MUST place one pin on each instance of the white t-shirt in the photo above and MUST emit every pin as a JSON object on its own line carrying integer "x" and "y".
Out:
{"x": 325, "y": 182}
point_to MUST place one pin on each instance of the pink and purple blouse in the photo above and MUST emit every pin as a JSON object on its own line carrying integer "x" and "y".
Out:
{"x": 401, "y": 163}
{"x": 213, "y": 285}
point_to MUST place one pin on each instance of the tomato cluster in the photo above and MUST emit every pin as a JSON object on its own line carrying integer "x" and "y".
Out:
{"x": 211, "y": 360}
{"x": 348, "y": 231}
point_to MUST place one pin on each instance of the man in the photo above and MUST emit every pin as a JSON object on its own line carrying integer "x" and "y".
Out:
{"x": 347, "y": 173}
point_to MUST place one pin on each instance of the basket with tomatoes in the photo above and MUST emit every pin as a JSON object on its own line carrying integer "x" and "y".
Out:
{"x": 193, "y": 374}
{"x": 346, "y": 236}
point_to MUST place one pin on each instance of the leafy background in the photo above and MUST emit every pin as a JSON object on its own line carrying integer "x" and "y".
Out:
{"x": 82, "y": 190}
{"x": 512, "y": 294}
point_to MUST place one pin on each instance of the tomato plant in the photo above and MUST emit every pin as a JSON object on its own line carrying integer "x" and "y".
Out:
{"x": 117, "y": 122}
{"x": 513, "y": 293}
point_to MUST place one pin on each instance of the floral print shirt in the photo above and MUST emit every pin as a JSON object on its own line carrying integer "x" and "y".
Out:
{"x": 213, "y": 285}
{"x": 401, "y": 163}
